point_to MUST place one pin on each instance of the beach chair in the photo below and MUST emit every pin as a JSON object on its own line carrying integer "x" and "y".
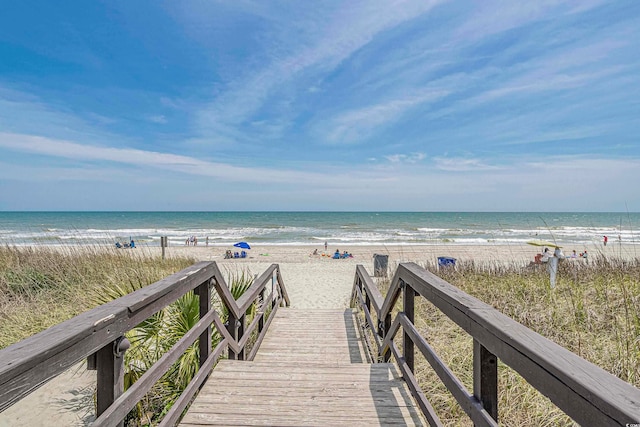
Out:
{"x": 236, "y": 255}
{"x": 243, "y": 254}
{"x": 445, "y": 261}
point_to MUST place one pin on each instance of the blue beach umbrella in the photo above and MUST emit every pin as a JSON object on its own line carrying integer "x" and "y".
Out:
{"x": 242, "y": 245}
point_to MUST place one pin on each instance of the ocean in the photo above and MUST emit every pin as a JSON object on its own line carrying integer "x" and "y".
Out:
{"x": 314, "y": 228}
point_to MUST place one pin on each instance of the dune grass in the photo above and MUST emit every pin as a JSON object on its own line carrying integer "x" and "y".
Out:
{"x": 594, "y": 311}
{"x": 40, "y": 286}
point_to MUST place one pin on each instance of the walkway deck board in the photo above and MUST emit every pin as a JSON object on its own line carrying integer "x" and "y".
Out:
{"x": 310, "y": 370}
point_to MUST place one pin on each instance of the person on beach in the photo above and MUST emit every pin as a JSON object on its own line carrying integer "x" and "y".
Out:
{"x": 558, "y": 253}
{"x": 584, "y": 255}
{"x": 605, "y": 240}
{"x": 546, "y": 254}
{"x": 325, "y": 245}
{"x": 574, "y": 254}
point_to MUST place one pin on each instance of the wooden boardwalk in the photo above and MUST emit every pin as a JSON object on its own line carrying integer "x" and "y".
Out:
{"x": 310, "y": 370}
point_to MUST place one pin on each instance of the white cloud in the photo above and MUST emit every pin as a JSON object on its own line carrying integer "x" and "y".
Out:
{"x": 142, "y": 158}
{"x": 460, "y": 164}
{"x": 496, "y": 16}
{"x": 406, "y": 158}
{"x": 357, "y": 125}
{"x": 160, "y": 119}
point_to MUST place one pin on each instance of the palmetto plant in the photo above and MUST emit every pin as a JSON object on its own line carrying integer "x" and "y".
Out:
{"x": 156, "y": 335}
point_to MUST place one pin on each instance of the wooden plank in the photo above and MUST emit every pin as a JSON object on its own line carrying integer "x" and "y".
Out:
{"x": 250, "y": 295}
{"x": 232, "y": 392}
{"x": 302, "y": 375}
{"x": 294, "y": 420}
{"x": 370, "y": 288}
{"x": 342, "y": 410}
{"x": 187, "y": 394}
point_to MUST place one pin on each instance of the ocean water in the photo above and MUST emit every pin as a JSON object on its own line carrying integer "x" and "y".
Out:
{"x": 314, "y": 228}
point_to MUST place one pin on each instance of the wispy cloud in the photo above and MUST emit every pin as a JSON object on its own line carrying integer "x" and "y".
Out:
{"x": 351, "y": 27}
{"x": 357, "y": 125}
{"x": 406, "y": 158}
{"x": 458, "y": 164}
{"x": 160, "y": 119}
{"x": 496, "y": 16}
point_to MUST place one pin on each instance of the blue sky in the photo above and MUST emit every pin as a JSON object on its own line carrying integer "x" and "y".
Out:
{"x": 324, "y": 105}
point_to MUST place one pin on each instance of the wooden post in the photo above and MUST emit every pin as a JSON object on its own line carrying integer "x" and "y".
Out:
{"x": 367, "y": 298}
{"x": 110, "y": 374}
{"x": 408, "y": 298}
{"x": 485, "y": 378}
{"x": 232, "y": 327}
{"x": 241, "y": 328}
{"x": 386, "y": 326}
{"x": 163, "y": 244}
{"x": 262, "y": 309}
{"x": 204, "y": 342}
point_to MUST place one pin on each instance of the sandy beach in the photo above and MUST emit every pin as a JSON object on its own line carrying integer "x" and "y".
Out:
{"x": 312, "y": 281}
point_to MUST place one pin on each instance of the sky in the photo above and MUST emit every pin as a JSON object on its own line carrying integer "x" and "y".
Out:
{"x": 397, "y": 105}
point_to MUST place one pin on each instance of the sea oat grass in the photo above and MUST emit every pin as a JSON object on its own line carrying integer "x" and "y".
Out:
{"x": 40, "y": 286}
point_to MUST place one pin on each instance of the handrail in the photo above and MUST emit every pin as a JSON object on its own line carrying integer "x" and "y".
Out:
{"x": 584, "y": 391}
{"x": 97, "y": 335}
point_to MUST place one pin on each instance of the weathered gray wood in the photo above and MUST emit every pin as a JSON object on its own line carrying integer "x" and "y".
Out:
{"x": 485, "y": 378}
{"x": 282, "y": 290}
{"x": 335, "y": 394}
{"x": 262, "y": 334}
{"x": 412, "y": 383}
{"x": 251, "y": 294}
{"x": 123, "y": 404}
{"x": 285, "y": 386}
{"x": 204, "y": 341}
{"x": 370, "y": 324}
{"x": 582, "y": 390}
{"x": 43, "y": 356}
{"x": 408, "y": 297}
{"x": 28, "y": 364}
{"x": 564, "y": 377}
{"x": 174, "y": 414}
{"x": 109, "y": 378}
{"x": 370, "y": 288}
{"x": 233, "y": 324}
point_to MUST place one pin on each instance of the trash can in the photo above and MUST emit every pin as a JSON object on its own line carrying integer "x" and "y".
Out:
{"x": 445, "y": 261}
{"x": 380, "y": 263}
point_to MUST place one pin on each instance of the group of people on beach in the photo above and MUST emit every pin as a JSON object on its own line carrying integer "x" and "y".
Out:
{"x": 130, "y": 244}
{"x": 336, "y": 254}
{"x": 546, "y": 255}
{"x": 193, "y": 241}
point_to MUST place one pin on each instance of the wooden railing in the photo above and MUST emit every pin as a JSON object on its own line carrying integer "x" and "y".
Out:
{"x": 584, "y": 391}
{"x": 98, "y": 335}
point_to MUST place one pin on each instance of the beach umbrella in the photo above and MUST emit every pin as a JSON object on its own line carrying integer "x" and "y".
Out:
{"x": 542, "y": 243}
{"x": 242, "y": 245}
